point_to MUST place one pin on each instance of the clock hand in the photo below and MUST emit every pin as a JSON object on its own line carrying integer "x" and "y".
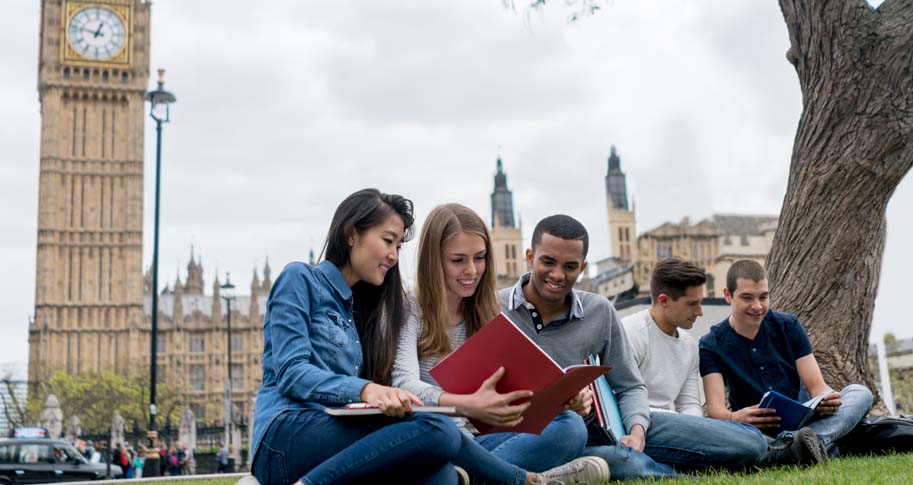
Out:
{"x": 98, "y": 32}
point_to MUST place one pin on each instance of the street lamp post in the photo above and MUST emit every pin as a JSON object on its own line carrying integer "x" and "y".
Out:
{"x": 228, "y": 294}
{"x": 160, "y": 101}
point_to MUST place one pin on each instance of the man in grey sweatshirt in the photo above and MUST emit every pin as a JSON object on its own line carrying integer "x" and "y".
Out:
{"x": 570, "y": 325}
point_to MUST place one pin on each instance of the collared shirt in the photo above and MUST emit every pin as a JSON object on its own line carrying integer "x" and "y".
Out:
{"x": 518, "y": 299}
{"x": 312, "y": 355}
{"x": 593, "y": 328}
{"x": 751, "y": 367}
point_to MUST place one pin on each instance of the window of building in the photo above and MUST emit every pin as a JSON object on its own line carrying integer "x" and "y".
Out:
{"x": 506, "y": 251}
{"x": 513, "y": 251}
{"x": 237, "y": 376}
{"x": 237, "y": 343}
{"x": 161, "y": 346}
{"x": 197, "y": 377}
{"x": 627, "y": 234}
{"x": 197, "y": 344}
{"x": 621, "y": 234}
{"x": 663, "y": 250}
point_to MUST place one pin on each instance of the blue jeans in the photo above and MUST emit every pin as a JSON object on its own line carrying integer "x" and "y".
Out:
{"x": 484, "y": 466}
{"x": 698, "y": 442}
{"x": 625, "y": 463}
{"x": 316, "y": 448}
{"x": 855, "y": 402}
{"x": 506, "y": 457}
{"x": 684, "y": 441}
{"x": 560, "y": 442}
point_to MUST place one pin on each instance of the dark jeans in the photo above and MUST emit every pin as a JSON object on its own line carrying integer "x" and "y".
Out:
{"x": 316, "y": 448}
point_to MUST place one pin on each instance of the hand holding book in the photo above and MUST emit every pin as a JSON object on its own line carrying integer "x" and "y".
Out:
{"x": 830, "y": 403}
{"x": 488, "y": 405}
{"x": 793, "y": 414}
{"x": 763, "y": 418}
{"x": 582, "y": 403}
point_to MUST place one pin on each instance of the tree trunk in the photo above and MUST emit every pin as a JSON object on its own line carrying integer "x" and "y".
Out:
{"x": 852, "y": 148}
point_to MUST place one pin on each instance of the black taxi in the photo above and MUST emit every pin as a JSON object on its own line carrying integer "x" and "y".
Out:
{"x": 42, "y": 460}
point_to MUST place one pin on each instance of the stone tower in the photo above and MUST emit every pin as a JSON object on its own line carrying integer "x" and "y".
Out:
{"x": 506, "y": 235}
{"x": 622, "y": 220}
{"x": 93, "y": 68}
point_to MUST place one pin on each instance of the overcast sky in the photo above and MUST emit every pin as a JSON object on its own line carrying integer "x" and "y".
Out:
{"x": 286, "y": 107}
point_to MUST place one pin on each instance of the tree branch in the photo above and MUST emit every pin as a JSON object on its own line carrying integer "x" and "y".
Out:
{"x": 896, "y": 8}
{"x": 820, "y": 33}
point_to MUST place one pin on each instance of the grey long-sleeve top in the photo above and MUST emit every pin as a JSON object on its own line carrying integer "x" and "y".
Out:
{"x": 594, "y": 328}
{"x": 411, "y": 373}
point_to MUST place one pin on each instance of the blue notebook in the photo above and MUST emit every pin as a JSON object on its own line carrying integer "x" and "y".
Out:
{"x": 793, "y": 414}
{"x": 605, "y": 405}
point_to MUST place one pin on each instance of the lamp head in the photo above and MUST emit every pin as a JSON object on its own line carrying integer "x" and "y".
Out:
{"x": 227, "y": 289}
{"x": 160, "y": 100}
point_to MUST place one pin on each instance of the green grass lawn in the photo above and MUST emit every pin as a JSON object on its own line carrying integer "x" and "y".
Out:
{"x": 862, "y": 470}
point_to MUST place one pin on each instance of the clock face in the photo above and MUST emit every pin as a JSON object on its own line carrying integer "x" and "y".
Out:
{"x": 96, "y": 33}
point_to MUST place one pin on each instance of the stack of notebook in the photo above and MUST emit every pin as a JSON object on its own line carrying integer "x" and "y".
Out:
{"x": 605, "y": 405}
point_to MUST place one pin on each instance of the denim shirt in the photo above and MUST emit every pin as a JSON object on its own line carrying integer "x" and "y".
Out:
{"x": 311, "y": 351}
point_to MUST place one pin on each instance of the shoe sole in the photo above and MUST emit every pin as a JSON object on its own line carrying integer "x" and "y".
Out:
{"x": 812, "y": 446}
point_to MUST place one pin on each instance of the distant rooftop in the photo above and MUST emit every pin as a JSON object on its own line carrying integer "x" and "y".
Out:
{"x": 744, "y": 225}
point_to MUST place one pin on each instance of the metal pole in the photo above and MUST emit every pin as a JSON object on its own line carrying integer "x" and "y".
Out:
{"x": 156, "y": 98}
{"x": 152, "y": 456}
{"x": 153, "y": 344}
{"x": 230, "y": 410}
{"x": 884, "y": 374}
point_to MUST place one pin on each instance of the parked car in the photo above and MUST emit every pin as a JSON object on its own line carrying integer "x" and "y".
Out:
{"x": 48, "y": 461}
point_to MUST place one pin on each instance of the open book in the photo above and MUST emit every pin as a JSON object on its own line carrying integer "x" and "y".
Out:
{"x": 527, "y": 367}
{"x": 793, "y": 414}
{"x": 365, "y": 409}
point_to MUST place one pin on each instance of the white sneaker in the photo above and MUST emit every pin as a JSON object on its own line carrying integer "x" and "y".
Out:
{"x": 462, "y": 476}
{"x": 248, "y": 480}
{"x": 586, "y": 469}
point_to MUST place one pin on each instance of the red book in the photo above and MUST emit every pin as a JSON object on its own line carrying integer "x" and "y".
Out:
{"x": 527, "y": 367}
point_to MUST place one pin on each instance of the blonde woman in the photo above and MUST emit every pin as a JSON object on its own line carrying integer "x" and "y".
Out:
{"x": 454, "y": 297}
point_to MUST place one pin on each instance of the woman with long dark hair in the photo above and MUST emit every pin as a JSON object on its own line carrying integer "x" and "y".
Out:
{"x": 330, "y": 333}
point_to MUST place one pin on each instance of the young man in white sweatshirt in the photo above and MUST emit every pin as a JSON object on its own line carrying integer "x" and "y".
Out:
{"x": 668, "y": 358}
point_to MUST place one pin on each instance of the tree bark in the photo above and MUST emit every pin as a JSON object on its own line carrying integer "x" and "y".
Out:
{"x": 852, "y": 148}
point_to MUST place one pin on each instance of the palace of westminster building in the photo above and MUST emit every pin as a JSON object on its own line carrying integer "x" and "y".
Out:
{"x": 92, "y": 300}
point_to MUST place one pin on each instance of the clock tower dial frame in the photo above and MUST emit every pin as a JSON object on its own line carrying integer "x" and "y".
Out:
{"x": 98, "y": 32}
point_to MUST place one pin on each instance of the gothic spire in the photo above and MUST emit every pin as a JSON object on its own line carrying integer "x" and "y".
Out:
{"x": 502, "y": 204}
{"x": 615, "y": 184}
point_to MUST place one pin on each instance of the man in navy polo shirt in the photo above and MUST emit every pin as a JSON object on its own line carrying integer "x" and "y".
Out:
{"x": 756, "y": 350}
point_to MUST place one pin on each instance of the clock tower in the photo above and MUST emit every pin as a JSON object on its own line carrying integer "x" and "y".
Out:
{"x": 93, "y": 69}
